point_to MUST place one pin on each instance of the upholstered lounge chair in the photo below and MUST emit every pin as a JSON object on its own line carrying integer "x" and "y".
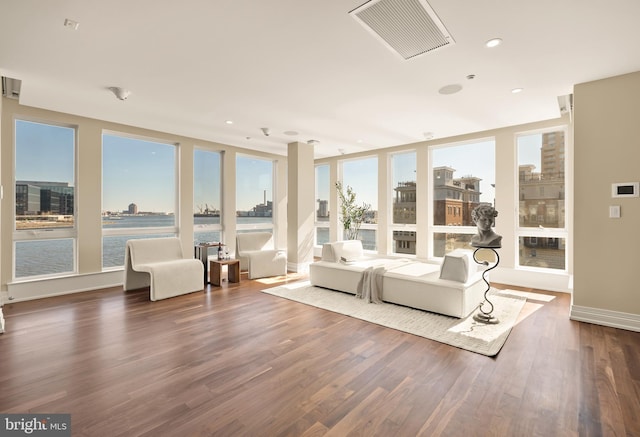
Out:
{"x": 257, "y": 255}
{"x": 160, "y": 264}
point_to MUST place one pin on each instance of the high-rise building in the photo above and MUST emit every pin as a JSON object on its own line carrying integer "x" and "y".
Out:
{"x": 133, "y": 208}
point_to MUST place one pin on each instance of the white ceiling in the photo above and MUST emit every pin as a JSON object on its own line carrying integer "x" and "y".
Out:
{"x": 309, "y": 67}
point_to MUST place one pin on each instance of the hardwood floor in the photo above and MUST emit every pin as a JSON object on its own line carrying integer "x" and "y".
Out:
{"x": 233, "y": 361}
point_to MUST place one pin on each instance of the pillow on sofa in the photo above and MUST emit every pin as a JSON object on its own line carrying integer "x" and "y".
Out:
{"x": 349, "y": 250}
{"x": 458, "y": 265}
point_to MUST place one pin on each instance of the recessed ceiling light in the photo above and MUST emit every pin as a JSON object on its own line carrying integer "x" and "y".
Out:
{"x": 450, "y": 89}
{"x": 517, "y": 90}
{"x": 494, "y": 42}
{"x": 229, "y": 121}
{"x": 313, "y": 142}
{"x": 428, "y": 135}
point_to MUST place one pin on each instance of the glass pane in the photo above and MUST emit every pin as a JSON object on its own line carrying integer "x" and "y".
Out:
{"x": 541, "y": 180}
{"x": 362, "y": 176}
{"x": 322, "y": 193}
{"x": 206, "y": 187}
{"x": 404, "y": 242}
{"x": 207, "y": 236}
{"x": 138, "y": 183}
{"x": 254, "y": 190}
{"x": 322, "y": 236}
{"x": 44, "y": 166}
{"x": 403, "y": 167}
{"x": 463, "y": 176}
{"x": 444, "y": 243}
{"x": 542, "y": 252}
{"x": 368, "y": 238}
{"x": 403, "y": 173}
{"x": 113, "y": 248}
{"x": 35, "y": 258}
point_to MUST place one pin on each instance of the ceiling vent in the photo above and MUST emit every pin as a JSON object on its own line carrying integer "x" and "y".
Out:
{"x": 11, "y": 87}
{"x": 408, "y": 27}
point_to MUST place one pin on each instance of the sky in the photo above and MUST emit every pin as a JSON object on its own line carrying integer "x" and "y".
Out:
{"x": 135, "y": 170}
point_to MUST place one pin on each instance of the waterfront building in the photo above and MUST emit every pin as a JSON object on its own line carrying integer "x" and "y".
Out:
{"x": 44, "y": 197}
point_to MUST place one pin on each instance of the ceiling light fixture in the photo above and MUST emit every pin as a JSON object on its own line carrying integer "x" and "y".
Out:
{"x": 120, "y": 93}
{"x": 229, "y": 121}
{"x": 266, "y": 131}
{"x": 517, "y": 90}
{"x": 450, "y": 89}
{"x": 71, "y": 24}
{"x": 313, "y": 142}
{"x": 494, "y": 42}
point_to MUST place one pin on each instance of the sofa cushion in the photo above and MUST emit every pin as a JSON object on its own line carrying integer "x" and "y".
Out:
{"x": 458, "y": 265}
{"x": 348, "y": 250}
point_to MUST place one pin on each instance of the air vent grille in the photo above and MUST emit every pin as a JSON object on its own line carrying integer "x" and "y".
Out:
{"x": 408, "y": 27}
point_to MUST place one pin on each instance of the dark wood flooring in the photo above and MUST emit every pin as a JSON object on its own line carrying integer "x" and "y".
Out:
{"x": 233, "y": 361}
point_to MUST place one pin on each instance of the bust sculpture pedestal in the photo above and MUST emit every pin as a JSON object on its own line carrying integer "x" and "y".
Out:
{"x": 486, "y": 316}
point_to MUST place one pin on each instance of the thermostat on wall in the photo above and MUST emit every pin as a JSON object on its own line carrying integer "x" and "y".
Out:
{"x": 624, "y": 189}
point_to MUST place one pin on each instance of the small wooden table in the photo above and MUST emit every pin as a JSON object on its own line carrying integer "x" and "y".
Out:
{"x": 201, "y": 252}
{"x": 215, "y": 270}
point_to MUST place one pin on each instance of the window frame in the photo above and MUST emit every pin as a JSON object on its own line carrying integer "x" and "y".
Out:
{"x": 140, "y": 231}
{"x": 363, "y": 226}
{"x": 540, "y": 232}
{"x": 433, "y": 229}
{"x": 400, "y": 227}
{"x": 212, "y": 227}
{"x": 66, "y": 233}
{"x": 258, "y": 226}
{"x": 316, "y": 223}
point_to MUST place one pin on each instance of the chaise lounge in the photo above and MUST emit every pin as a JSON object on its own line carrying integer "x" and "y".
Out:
{"x": 455, "y": 289}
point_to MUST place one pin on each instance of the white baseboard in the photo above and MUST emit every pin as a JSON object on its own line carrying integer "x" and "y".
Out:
{"x": 614, "y": 319}
{"x": 1, "y": 321}
{"x": 49, "y": 287}
{"x": 298, "y": 267}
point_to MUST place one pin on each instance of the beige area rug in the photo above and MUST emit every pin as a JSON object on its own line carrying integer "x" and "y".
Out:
{"x": 466, "y": 333}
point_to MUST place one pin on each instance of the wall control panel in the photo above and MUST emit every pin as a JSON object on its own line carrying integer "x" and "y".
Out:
{"x": 625, "y": 189}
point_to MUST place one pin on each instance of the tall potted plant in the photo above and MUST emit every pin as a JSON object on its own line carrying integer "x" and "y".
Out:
{"x": 351, "y": 214}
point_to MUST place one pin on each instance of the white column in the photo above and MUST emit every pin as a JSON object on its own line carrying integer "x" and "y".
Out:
{"x": 300, "y": 206}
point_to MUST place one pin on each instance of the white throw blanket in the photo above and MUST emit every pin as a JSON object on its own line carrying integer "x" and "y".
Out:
{"x": 370, "y": 283}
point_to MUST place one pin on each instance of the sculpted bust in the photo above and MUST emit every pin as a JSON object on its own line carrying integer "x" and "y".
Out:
{"x": 484, "y": 216}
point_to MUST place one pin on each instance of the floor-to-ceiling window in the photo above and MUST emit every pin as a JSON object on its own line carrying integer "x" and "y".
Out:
{"x": 139, "y": 192}
{"x": 362, "y": 176}
{"x": 322, "y": 204}
{"x": 254, "y": 194}
{"x": 463, "y": 176}
{"x": 45, "y": 195}
{"x": 403, "y": 203}
{"x": 207, "y": 172}
{"x": 542, "y": 229}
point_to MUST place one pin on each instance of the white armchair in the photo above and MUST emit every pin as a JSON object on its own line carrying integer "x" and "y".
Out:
{"x": 257, "y": 255}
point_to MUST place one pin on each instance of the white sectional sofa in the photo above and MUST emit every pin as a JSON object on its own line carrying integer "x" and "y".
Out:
{"x": 410, "y": 283}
